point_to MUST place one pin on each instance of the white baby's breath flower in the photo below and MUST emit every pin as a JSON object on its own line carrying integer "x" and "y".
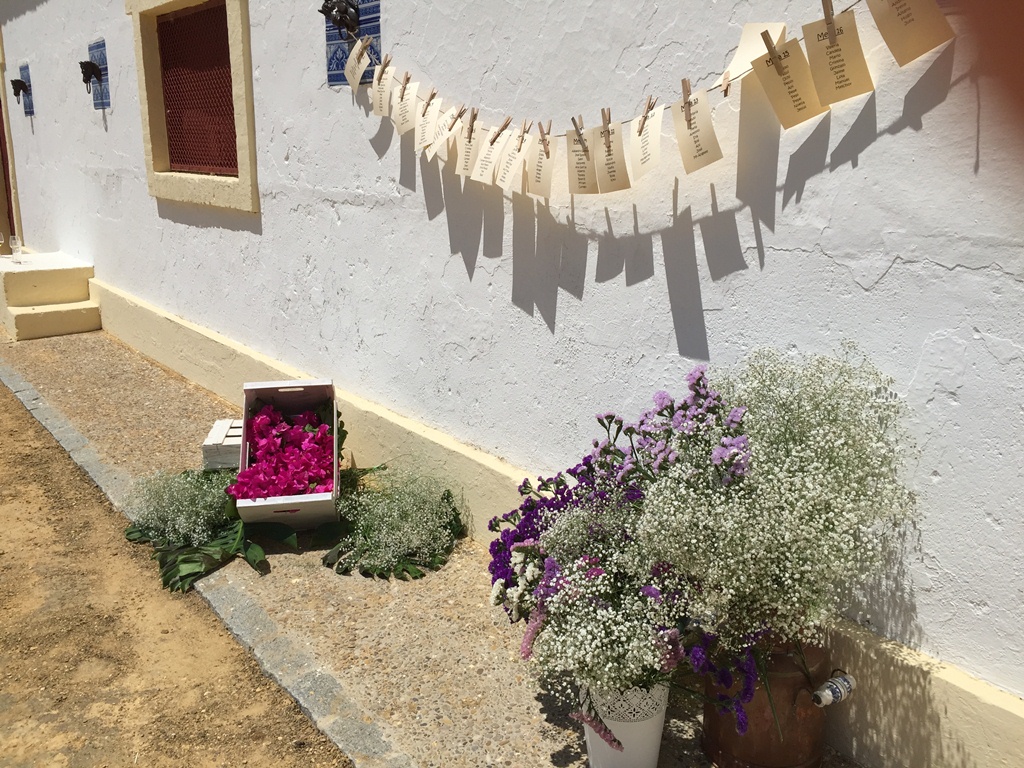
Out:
{"x": 824, "y": 482}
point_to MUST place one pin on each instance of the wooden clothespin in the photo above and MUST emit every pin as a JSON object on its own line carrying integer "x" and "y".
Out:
{"x": 830, "y": 20}
{"x": 405, "y": 83}
{"x": 383, "y": 66}
{"x": 726, "y": 83}
{"x": 457, "y": 116}
{"x": 651, "y": 101}
{"x": 773, "y": 53}
{"x": 579, "y": 134}
{"x": 606, "y": 120}
{"x": 501, "y": 130}
{"x": 367, "y": 49}
{"x": 472, "y": 122}
{"x": 430, "y": 98}
{"x": 544, "y": 132}
{"x": 522, "y": 135}
{"x": 686, "y": 103}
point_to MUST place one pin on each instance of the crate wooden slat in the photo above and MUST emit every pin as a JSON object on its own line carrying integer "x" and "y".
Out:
{"x": 223, "y": 445}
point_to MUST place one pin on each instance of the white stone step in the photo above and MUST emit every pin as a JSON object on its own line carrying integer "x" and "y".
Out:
{"x": 46, "y": 320}
{"x": 44, "y": 278}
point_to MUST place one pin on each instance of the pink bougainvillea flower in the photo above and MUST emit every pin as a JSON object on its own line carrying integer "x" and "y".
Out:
{"x": 287, "y": 459}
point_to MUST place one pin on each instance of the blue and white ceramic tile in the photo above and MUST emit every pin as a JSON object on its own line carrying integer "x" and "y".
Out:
{"x": 100, "y": 91}
{"x": 338, "y": 50}
{"x": 26, "y": 98}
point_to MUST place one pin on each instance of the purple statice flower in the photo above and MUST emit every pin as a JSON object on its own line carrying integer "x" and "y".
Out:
{"x": 723, "y": 677}
{"x": 593, "y": 573}
{"x": 634, "y": 494}
{"x": 663, "y": 400}
{"x": 648, "y": 590}
{"x": 732, "y": 455}
{"x": 551, "y": 582}
{"x": 732, "y": 421}
{"x": 748, "y": 667}
{"x": 696, "y": 378}
{"x": 699, "y": 659}
{"x": 599, "y": 728}
{"x": 741, "y": 719}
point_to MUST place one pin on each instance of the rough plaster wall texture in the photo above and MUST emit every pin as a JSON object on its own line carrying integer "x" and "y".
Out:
{"x": 81, "y": 164}
{"x": 895, "y": 221}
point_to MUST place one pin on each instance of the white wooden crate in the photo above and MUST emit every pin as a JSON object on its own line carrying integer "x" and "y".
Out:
{"x": 223, "y": 444}
{"x": 290, "y": 397}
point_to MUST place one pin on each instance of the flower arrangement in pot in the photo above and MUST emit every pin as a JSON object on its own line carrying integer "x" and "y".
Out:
{"x": 727, "y": 524}
{"x": 773, "y": 561}
{"x": 572, "y": 561}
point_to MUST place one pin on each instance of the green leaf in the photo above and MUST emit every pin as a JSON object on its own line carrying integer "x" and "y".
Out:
{"x": 231, "y": 507}
{"x": 136, "y": 535}
{"x": 408, "y": 571}
{"x": 255, "y": 556}
{"x": 185, "y": 569}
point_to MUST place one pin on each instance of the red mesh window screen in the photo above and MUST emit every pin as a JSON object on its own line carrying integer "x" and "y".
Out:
{"x": 196, "y": 69}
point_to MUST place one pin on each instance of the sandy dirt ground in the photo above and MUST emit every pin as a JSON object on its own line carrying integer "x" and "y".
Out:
{"x": 98, "y": 665}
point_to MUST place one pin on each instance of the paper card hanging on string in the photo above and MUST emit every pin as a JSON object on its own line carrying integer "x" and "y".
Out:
{"x": 426, "y": 123}
{"x": 382, "y": 92}
{"x": 487, "y": 163}
{"x": 645, "y": 148}
{"x": 698, "y": 142}
{"x": 582, "y": 170}
{"x": 510, "y": 175}
{"x": 910, "y": 28}
{"x": 540, "y": 168}
{"x": 751, "y": 46}
{"x": 792, "y": 94}
{"x": 470, "y": 147}
{"x": 442, "y": 135}
{"x": 839, "y": 71}
{"x": 610, "y": 160}
{"x": 504, "y": 157}
{"x": 358, "y": 61}
{"x": 404, "y": 110}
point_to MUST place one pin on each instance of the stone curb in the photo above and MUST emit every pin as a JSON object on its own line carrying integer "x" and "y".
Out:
{"x": 319, "y": 695}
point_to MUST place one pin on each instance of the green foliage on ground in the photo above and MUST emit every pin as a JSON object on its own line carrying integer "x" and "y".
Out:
{"x": 193, "y": 526}
{"x": 401, "y": 524}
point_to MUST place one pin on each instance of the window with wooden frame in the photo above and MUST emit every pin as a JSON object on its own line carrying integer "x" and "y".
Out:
{"x": 195, "y": 89}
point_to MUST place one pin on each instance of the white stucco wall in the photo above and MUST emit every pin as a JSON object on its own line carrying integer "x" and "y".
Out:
{"x": 895, "y": 221}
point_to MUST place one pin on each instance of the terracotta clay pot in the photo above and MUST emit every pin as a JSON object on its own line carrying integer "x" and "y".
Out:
{"x": 802, "y": 743}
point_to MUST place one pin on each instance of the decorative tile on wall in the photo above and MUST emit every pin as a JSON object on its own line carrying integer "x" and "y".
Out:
{"x": 26, "y": 98}
{"x": 101, "y": 90}
{"x": 337, "y": 50}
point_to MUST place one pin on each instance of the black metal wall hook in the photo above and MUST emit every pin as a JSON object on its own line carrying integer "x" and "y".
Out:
{"x": 20, "y": 87}
{"x": 90, "y": 69}
{"x": 344, "y": 14}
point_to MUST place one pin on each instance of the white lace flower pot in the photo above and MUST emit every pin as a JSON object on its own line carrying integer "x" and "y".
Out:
{"x": 637, "y": 719}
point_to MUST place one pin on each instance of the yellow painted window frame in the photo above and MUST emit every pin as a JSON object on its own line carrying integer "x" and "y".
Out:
{"x": 241, "y": 192}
